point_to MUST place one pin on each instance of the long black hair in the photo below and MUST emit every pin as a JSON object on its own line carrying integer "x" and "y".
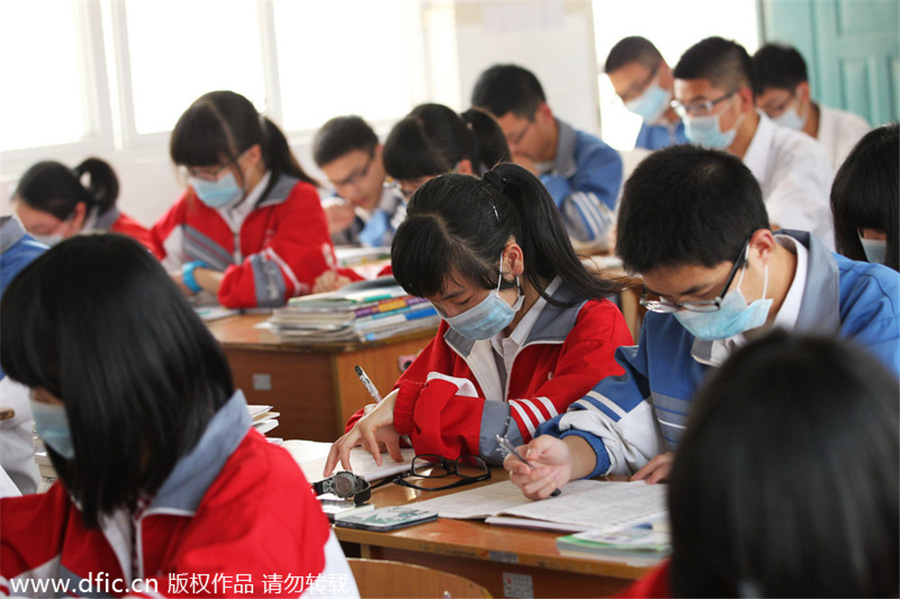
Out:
{"x": 432, "y": 139}
{"x": 866, "y": 194}
{"x": 785, "y": 483}
{"x": 53, "y": 187}
{"x": 220, "y": 126}
{"x": 462, "y": 222}
{"x": 97, "y": 323}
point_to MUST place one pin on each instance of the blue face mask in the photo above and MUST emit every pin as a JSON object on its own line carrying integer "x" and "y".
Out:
{"x": 705, "y": 131}
{"x": 52, "y": 425}
{"x": 733, "y": 317}
{"x": 651, "y": 104}
{"x": 790, "y": 119}
{"x": 218, "y": 194}
{"x": 875, "y": 249}
{"x": 489, "y": 317}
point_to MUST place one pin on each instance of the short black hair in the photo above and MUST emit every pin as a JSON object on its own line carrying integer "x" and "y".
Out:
{"x": 632, "y": 49}
{"x": 342, "y": 135}
{"x": 54, "y": 188}
{"x": 687, "y": 205}
{"x": 505, "y": 88}
{"x": 725, "y": 63}
{"x": 866, "y": 194}
{"x": 432, "y": 139}
{"x": 779, "y": 66}
{"x": 97, "y": 322}
{"x": 785, "y": 483}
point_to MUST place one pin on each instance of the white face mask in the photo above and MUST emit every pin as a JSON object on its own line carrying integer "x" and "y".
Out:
{"x": 490, "y": 316}
{"x": 875, "y": 249}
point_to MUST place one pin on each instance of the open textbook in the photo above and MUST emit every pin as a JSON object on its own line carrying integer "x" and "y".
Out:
{"x": 583, "y": 505}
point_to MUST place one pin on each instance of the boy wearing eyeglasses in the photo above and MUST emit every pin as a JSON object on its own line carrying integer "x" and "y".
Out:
{"x": 582, "y": 174}
{"x": 363, "y": 211}
{"x": 693, "y": 224}
{"x": 714, "y": 84}
{"x": 643, "y": 81}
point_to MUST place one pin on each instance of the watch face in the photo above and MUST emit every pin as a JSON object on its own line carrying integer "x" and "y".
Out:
{"x": 344, "y": 484}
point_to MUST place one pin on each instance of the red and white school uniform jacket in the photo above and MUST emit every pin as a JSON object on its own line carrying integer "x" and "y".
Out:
{"x": 235, "y": 517}
{"x": 452, "y": 401}
{"x": 276, "y": 252}
{"x": 116, "y": 221}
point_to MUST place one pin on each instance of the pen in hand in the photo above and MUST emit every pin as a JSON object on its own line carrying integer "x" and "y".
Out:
{"x": 510, "y": 448}
{"x": 367, "y": 382}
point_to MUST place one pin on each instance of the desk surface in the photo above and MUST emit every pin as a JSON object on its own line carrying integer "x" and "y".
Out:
{"x": 242, "y": 332}
{"x": 473, "y": 539}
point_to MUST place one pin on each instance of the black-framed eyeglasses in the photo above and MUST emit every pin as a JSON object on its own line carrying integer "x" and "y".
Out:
{"x": 516, "y": 139}
{"x": 636, "y": 91}
{"x": 667, "y": 307}
{"x": 429, "y": 472}
{"x": 209, "y": 173}
{"x": 357, "y": 175}
{"x": 698, "y": 108}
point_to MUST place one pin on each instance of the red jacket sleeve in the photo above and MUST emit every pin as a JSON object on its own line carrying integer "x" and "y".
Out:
{"x": 286, "y": 248}
{"x": 168, "y": 222}
{"x": 653, "y": 585}
{"x": 128, "y": 226}
{"x": 546, "y": 379}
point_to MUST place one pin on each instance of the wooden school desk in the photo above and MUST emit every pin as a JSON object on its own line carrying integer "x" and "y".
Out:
{"x": 313, "y": 387}
{"x": 509, "y": 562}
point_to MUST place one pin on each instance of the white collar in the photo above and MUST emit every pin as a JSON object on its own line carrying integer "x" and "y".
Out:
{"x": 235, "y": 216}
{"x": 790, "y": 309}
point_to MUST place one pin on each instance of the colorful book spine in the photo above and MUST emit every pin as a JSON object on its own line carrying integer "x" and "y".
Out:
{"x": 389, "y": 304}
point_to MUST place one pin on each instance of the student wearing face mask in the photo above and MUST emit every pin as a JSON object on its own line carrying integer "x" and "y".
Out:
{"x": 714, "y": 96}
{"x": 249, "y": 230}
{"x": 693, "y": 224}
{"x": 54, "y": 202}
{"x": 526, "y": 330}
{"x": 865, "y": 199}
{"x": 643, "y": 81}
{"x": 783, "y": 93}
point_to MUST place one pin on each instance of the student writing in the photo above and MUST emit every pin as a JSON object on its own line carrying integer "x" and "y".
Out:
{"x": 525, "y": 329}
{"x": 693, "y": 225}
{"x": 249, "y": 230}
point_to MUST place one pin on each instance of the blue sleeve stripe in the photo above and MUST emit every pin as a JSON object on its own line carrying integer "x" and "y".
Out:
{"x": 598, "y": 404}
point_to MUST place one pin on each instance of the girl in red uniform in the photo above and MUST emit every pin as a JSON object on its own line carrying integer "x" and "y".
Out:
{"x": 53, "y": 204}
{"x": 526, "y": 330}
{"x": 249, "y": 230}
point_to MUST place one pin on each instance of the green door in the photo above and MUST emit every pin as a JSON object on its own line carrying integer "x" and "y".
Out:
{"x": 851, "y": 47}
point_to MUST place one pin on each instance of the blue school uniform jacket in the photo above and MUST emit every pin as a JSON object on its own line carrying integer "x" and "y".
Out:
{"x": 584, "y": 182}
{"x": 629, "y": 419}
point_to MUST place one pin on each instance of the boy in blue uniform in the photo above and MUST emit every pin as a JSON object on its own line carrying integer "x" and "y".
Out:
{"x": 643, "y": 81}
{"x": 693, "y": 224}
{"x": 582, "y": 174}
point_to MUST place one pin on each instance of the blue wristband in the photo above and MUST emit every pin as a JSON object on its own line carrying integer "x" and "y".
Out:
{"x": 187, "y": 276}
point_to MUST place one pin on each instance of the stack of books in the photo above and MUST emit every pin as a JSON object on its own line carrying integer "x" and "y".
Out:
{"x": 644, "y": 544}
{"x": 364, "y": 311}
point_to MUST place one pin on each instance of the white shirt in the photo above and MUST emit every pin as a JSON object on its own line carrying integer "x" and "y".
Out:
{"x": 788, "y": 313}
{"x": 795, "y": 176}
{"x": 838, "y": 133}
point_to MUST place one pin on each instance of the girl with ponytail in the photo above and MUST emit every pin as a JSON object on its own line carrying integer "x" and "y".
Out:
{"x": 433, "y": 140}
{"x": 249, "y": 229}
{"x": 526, "y": 328}
{"x": 55, "y": 202}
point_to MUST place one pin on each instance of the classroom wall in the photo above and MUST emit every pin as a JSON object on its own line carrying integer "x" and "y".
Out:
{"x": 555, "y": 39}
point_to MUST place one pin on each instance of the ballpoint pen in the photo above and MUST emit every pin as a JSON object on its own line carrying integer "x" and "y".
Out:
{"x": 367, "y": 382}
{"x": 507, "y": 446}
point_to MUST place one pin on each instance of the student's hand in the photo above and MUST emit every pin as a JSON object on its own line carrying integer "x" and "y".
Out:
{"x": 657, "y": 469}
{"x": 525, "y": 162}
{"x": 375, "y": 431}
{"x": 329, "y": 280}
{"x": 178, "y": 278}
{"x": 552, "y": 461}
{"x": 339, "y": 215}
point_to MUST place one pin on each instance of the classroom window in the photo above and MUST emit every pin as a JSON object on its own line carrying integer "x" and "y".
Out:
{"x": 46, "y": 94}
{"x": 117, "y": 75}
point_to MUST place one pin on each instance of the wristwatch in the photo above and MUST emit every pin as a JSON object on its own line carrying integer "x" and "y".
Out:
{"x": 345, "y": 485}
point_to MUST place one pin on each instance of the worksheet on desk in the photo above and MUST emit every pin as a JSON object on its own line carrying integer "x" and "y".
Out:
{"x": 589, "y": 503}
